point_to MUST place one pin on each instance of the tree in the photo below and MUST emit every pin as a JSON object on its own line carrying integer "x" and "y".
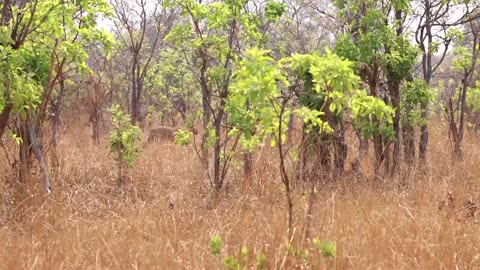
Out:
{"x": 122, "y": 140}
{"x": 140, "y": 26}
{"x": 42, "y": 36}
{"x": 465, "y": 63}
{"x": 213, "y": 38}
{"x": 376, "y": 42}
{"x": 435, "y": 19}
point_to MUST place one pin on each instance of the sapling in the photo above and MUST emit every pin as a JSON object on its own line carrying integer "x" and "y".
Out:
{"x": 122, "y": 141}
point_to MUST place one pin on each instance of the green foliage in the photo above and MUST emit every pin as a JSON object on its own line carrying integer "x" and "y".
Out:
{"x": 36, "y": 61}
{"x": 274, "y": 10}
{"x": 20, "y": 85}
{"x": 299, "y": 253}
{"x": 216, "y": 245}
{"x": 183, "y": 137}
{"x": 365, "y": 46}
{"x": 238, "y": 262}
{"x": 260, "y": 261}
{"x": 463, "y": 58}
{"x": 371, "y": 115}
{"x": 252, "y": 106}
{"x": 332, "y": 74}
{"x": 231, "y": 263}
{"x": 473, "y": 97}
{"x": 47, "y": 34}
{"x": 123, "y": 137}
{"x": 327, "y": 248}
{"x": 171, "y": 87}
{"x": 17, "y": 139}
{"x": 400, "y": 60}
{"x": 313, "y": 120}
{"x": 414, "y": 94}
{"x": 328, "y": 79}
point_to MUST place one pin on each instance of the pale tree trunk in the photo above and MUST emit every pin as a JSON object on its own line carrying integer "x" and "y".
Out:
{"x": 55, "y": 124}
{"x": 39, "y": 154}
{"x": 30, "y": 144}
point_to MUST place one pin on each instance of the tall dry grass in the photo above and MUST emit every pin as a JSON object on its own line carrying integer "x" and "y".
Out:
{"x": 167, "y": 215}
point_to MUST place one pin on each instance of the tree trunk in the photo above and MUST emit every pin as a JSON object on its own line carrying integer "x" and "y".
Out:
{"x": 56, "y": 112}
{"x": 206, "y": 101}
{"x": 363, "y": 145}
{"x": 95, "y": 127}
{"x": 55, "y": 124}
{"x": 38, "y": 151}
{"x": 427, "y": 75}
{"x": 395, "y": 96}
{"x": 6, "y": 15}
{"x": 325, "y": 161}
{"x": 25, "y": 161}
{"x": 409, "y": 144}
{"x": 379, "y": 155}
{"x": 372, "y": 77}
{"x": 302, "y": 161}
{"x": 137, "y": 88}
{"x": 4, "y": 117}
{"x": 387, "y": 156}
{"x": 341, "y": 151}
{"x": 247, "y": 165}
{"x": 422, "y": 148}
{"x": 217, "y": 177}
{"x": 120, "y": 169}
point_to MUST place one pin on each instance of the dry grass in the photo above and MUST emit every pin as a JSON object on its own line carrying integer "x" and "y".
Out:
{"x": 87, "y": 224}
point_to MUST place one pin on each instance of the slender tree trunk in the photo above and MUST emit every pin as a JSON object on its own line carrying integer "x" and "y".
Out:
{"x": 6, "y": 15}
{"x": 379, "y": 155}
{"x": 5, "y": 116}
{"x": 303, "y": 157}
{"x": 120, "y": 169}
{"x": 247, "y": 165}
{"x": 387, "y": 156}
{"x": 136, "y": 92}
{"x": 247, "y": 157}
{"x": 56, "y": 123}
{"x": 409, "y": 144}
{"x": 309, "y": 214}
{"x": 341, "y": 151}
{"x": 283, "y": 172}
{"x": 39, "y": 154}
{"x": 395, "y": 95}
{"x": 206, "y": 110}
{"x": 95, "y": 126}
{"x": 422, "y": 149}
{"x": 363, "y": 145}
{"x": 427, "y": 75}
{"x": 377, "y": 138}
{"x": 325, "y": 160}
{"x": 56, "y": 116}
{"x": 218, "y": 178}
{"x": 25, "y": 161}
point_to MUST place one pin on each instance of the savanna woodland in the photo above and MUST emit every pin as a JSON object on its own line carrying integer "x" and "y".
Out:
{"x": 239, "y": 134}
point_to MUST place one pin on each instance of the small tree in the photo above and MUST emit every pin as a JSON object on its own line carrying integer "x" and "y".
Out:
{"x": 465, "y": 63}
{"x": 415, "y": 93}
{"x": 122, "y": 141}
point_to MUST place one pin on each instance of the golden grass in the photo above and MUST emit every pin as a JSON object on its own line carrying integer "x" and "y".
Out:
{"x": 87, "y": 224}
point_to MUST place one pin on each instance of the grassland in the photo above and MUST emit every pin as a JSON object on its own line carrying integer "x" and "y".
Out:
{"x": 167, "y": 214}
